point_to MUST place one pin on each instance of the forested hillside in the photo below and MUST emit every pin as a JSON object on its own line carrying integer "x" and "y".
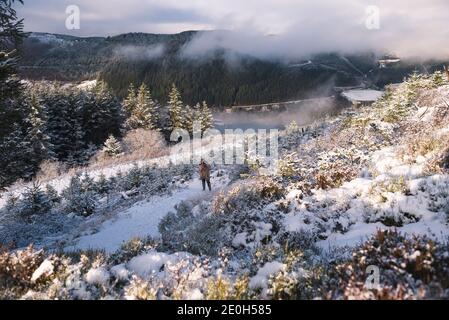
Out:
{"x": 159, "y": 61}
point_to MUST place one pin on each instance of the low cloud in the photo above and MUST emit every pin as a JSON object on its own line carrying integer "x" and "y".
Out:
{"x": 137, "y": 53}
{"x": 263, "y": 28}
{"x": 410, "y": 29}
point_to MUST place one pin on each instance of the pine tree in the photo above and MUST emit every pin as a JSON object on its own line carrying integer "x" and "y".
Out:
{"x": 75, "y": 137}
{"x": 79, "y": 200}
{"x": 36, "y": 138}
{"x": 175, "y": 110}
{"x": 112, "y": 147}
{"x": 14, "y": 156}
{"x": 144, "y": 111}
{"x": 102, "y": 114}
{"x": 52, "y": 194}
{"x": 207, "y": 120}
{"x": 34, "y": 201}
{"x": 11, "y": 114}
{"x": 129, "y": 104}
{"x": 11, "y": 36}
{"x": 103, "y": 186}
{"x": 189, "y": 118}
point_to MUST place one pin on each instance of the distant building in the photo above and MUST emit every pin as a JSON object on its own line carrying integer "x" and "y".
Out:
{"x": 387, "y": 61}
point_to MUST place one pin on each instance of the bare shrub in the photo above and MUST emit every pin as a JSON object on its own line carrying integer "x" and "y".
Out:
{"x": 49, "y": 170}
{"x": 144, "y": 144}
{"x": 138, "y": 145}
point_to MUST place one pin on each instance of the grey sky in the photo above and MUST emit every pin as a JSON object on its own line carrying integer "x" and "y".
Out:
{"x": 407, "y": 27}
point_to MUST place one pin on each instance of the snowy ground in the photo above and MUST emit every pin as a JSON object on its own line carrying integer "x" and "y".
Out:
{"x": 178, "y": 154}
{"x": 142, "y": 219}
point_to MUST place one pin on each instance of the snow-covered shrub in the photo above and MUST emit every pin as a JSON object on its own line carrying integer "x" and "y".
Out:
{"x": 437, "y": 190}
{"x": 80, "y": 196}
{"x": 335, "y": 168}
{"x": 251, "y": 193}
{"x": 219, "y": 289}
{"x": 292, "y": 128}
{"x": 52, "y": 194}
{"x": 16, "y": 271}
{"x": 34, "y": 201}
{"x": 438, "y": 79}
{"x": 132, "y": 248}
{"x": 139, "y": 289}
{"x": 112, "y": 147}
{"x": 183, "y": 231}
{"x": 288, "y": 166}
{"x": 410, "y": 268}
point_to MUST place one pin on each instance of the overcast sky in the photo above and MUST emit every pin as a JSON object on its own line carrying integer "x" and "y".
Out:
{"x": 407, "y": 27}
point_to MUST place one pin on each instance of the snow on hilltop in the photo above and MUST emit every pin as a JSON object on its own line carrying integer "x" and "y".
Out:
{"x": 47, "y": 38}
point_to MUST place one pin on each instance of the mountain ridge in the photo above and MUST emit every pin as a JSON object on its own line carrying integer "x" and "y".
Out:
{"x": 158, "y": 61}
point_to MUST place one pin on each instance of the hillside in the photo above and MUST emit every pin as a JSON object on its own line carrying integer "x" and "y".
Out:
{"x": 159, "y": 61}
{"x": 368, "y": 187}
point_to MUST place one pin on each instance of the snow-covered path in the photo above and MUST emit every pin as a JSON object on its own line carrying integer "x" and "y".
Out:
{"x": 141, "y": 220}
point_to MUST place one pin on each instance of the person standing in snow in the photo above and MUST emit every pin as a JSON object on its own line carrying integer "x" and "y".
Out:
{"x": 205, "y": 175}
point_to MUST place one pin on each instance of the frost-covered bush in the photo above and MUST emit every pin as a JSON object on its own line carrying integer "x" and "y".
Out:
{"x": 34, "y": 201}
{"x": 112, "y": 147}
{"x": 220, "y": 288}
{"x": 52, "y": 195}
{"x": 80, "y": 196}
{"x": 237, "y": 219}
{"x": 288, "y": 166}
{"x": 132, "y": 248}
{"x": 251, "y": 193}
{"x": 184, "y": 231}
{"x": 410, "y": 268}
{"x": 16, "y": 271}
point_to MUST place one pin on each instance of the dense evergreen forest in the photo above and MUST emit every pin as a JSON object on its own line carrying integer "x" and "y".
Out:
{"x": 158, "y": 61}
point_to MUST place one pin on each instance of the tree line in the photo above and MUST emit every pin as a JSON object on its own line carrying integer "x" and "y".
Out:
{"x": 51, "y": 121}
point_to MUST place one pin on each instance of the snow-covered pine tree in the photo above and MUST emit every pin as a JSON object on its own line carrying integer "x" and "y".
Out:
{"x": 34, "y": 201}
{"x": 144, "y": 113}
{"x": 38, "y": 141}
{"x": 52, "y": 194}
{"x": 11, "y": 114}
{"x": 207, "y": 120}
{"x": 112, "y": 147}
{"x": 11, "y": 36}
{"x": 129, "y": 104}
{"x": 102, "y": 115}
{"x": 63, "y": 125}
{"x": 189, "y": 118}
{"x": 79, "y": 200}
{"x": 175, "y": 110}
{"x": 75, "y": 138}
{"x": 103, "y": 186}
{"x": 14, "y": 155}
